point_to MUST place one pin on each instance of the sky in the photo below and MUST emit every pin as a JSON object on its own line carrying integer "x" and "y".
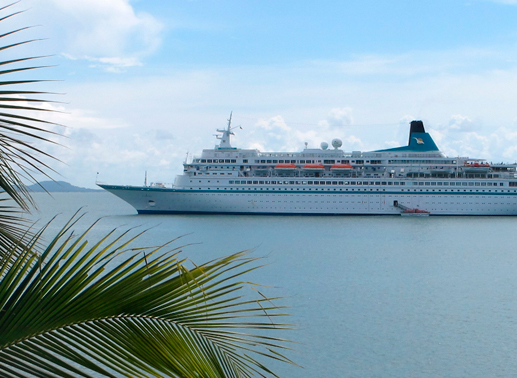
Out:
{"x": 143, "y": 83}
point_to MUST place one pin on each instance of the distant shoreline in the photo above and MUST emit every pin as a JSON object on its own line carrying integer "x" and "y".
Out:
{"x": 58, "y": 186}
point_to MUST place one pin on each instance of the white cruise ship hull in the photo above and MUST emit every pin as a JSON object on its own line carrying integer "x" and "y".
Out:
{"x": 371, "y": 201}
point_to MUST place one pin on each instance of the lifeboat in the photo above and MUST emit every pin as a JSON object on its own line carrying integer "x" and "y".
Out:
{"x": 476, "y": 167}
{"x": 341, "y": 166}
{"x": 314, "y": 167}
{"x": 285, "y": 166}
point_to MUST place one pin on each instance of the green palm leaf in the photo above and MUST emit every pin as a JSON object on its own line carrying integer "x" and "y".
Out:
{"x": 111, "y": 310}
{"x": 70, "y": 308}
{"x": 19, "y": 159}
{"x": 20, "y": 127}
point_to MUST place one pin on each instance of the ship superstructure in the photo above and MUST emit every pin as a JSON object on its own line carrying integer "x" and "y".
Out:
{"x": 412, "y": 179}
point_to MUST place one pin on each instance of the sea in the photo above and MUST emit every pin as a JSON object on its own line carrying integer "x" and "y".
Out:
{"x": 371, "y": 296}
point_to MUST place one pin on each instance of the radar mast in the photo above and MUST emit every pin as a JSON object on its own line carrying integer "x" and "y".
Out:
{"x": 225, "y": 137}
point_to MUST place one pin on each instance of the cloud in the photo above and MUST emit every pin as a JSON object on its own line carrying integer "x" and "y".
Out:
{"x": 508, "y": 2}
{"x": 108, "y": 32}
{"x": 122, "y": 132}
{"x": 461, "y": 123}
{"x": 275, "y": 134}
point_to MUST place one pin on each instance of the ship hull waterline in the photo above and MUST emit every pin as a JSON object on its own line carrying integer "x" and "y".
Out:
{"x": 148, "y": 200}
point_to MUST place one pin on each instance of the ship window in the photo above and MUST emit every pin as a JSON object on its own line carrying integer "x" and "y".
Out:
{"x": 275, "y": 161}
{"x": 329, "y": 182}
{"x": 263, "y": 161}
{"x": 249, "y": 182}
{"x": 244, "y": 160}
{"x": 281, "y": 161}
{"x": 377, "y": 183}
{"x": 231, "y": 182}
{"x": 233, "y": 161}
{"x": 352, "y": 183}
{"x": 427, "y": 184}
{"x": 446, "y": 184}
{"x": 471, "y": 184}
{"x": 340, "y": 183}
{"x": 255, "y": 182}
{"x": 334, "y": 183}
{"x": 433, "y": 183}
{"x": 390, "y": 183}
{"x": 500, "y": 184}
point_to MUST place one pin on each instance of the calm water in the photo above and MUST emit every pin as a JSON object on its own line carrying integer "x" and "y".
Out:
{"x": 372, "y": 296}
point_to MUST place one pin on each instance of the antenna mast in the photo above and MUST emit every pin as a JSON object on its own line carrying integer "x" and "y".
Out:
{"x": 225, "y": 137}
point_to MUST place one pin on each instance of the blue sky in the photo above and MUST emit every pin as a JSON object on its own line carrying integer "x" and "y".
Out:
{"x": 148, "y": 81}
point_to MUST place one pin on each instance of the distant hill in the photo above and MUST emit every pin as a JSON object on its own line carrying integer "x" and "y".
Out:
{"x": 59, "y": 186}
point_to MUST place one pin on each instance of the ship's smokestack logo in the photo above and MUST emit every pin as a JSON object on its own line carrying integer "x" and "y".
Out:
{"x": 418, "y": 140}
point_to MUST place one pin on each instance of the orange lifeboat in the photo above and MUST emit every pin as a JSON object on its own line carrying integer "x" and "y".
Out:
{"x": 477, "y": 165}
{"x": 285, "y": 166}
{"x": 341, "y": 166}
{"x": 313, "y": 166}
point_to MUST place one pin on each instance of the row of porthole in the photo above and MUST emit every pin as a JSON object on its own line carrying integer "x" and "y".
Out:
{"x": 363, "y": 190}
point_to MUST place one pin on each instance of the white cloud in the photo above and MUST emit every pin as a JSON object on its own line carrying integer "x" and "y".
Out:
{"x": 109, "y": 32}
{"x": 461, "y": 123}
{"x": 274, "y": 134}
{"x": 122, "y": 132}
{"x": 509, "y": 2}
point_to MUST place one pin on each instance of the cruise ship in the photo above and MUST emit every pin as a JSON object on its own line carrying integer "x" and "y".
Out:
{"x": 416, "y": 179}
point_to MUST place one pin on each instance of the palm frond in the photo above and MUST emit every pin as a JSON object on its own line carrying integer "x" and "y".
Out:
{"x": 19, "y": 158}
{"x": 115, "y": 310}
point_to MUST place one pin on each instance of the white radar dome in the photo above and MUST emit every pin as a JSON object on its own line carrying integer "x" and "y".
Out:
{"x": 324, "y": 145}
{"x": 336, "y": 143}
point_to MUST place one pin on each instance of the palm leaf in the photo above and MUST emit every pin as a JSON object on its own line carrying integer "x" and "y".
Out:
{"x": 20, "y": 126}
{"x": 113, "y": 310}
{"x": 19, "y": 159}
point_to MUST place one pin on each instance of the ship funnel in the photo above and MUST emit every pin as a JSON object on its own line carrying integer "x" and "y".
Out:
{"x": 416, "y": 127}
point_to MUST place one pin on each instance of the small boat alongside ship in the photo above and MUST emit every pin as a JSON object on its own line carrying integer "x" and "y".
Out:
{"x": 416, "y": 180}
